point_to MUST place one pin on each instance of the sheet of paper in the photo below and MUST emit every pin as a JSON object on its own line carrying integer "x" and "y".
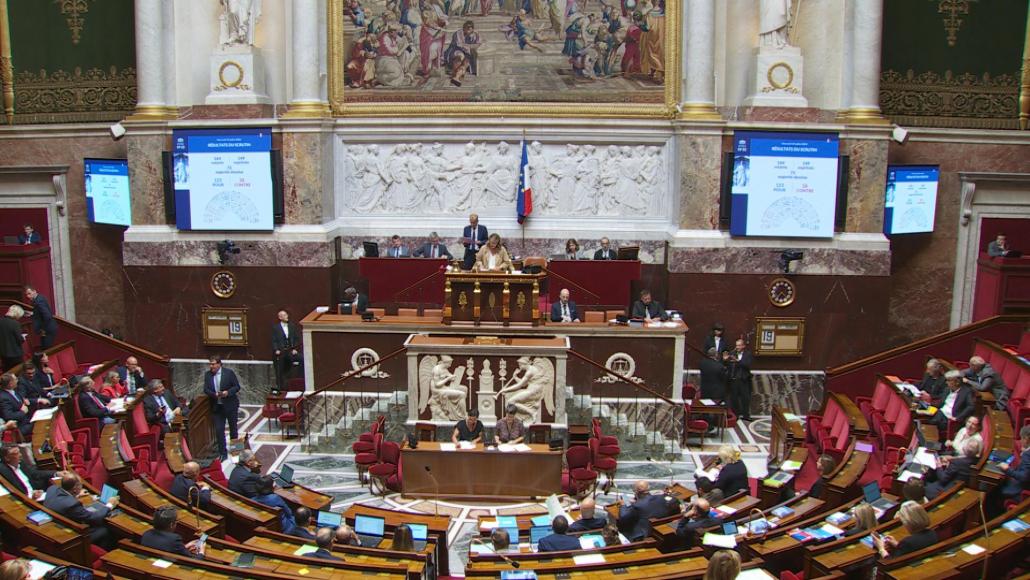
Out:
{"x": 466, "y": 445}
{"x": 162, "y": 563}
{"x": 305, "y": 549}
{"x": 924, "y": 457}
{"x": 832, "y": 529}
{"x": 719, "y": 540}
{"x": 478, "y": 548}
{"x": 44, "y": 414}
{"x": 293, "y": 395}
{"x": 907, "y": 475}
{"x": 522, "y": 448}
{"x": 754, "y": 574}
{"x": 726, "y": 509}
{"x": 709, "y": 402}
{"x": 448, "y": 447}
{"x": 790, "y": 465}
{"x": 590, "y": 541}
{"x": 588, "y": 559}
{"x": 38, "y": 569}
{"x": 973, "y": 549}
{"x": 711, "y": 474}
{"x": 505, "y": 448}
{"x": 3, "y": 491}
{"x": 554, "y": 507}
{"x": 488, "y": 525}
{"x": 791, "y": 417}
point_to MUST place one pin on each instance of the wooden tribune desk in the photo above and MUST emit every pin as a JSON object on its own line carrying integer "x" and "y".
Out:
{"x": 480, "y": 473}
{"x": 492, "y": 297}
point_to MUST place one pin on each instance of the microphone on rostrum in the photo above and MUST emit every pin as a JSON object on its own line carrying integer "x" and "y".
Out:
{"x": 436, "y": 486}
{"x": 507, "y": 560}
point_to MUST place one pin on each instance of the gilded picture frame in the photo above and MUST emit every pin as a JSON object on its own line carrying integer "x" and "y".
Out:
{"x": 664, "y": 108}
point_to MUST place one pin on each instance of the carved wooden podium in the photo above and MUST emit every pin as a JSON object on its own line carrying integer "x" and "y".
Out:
{"x": 492, "y": 298}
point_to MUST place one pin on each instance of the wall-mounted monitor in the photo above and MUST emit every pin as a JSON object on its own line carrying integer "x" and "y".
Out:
{"x": 224, "y": 179}
{"x": 784, "y": 184}
{"x": 910, "y": 199}
{"x": 108, "y": 199}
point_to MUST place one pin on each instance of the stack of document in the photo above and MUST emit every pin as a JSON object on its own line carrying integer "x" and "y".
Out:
{"x": 719, "y": 540}
{"x": 522, "y": 447}
{"x": 924, "y": 457}
{"x": 505, "y": 448}
{"x": 466, "y": 445}
{"x": 448, "y": 447}
{"x": 44, "y": 414}
{"x": 790, "y": 465}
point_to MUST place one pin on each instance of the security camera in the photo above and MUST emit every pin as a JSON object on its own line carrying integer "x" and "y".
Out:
{"x": 788, "y": 256}
{"x": 225, "y": 248}
{"x": 117, "y": 130}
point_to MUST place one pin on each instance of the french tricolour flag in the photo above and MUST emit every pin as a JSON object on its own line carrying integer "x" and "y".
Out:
{"x": 524, "y": 200}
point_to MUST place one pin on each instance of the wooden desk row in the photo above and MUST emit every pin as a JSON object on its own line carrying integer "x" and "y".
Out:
{"x": 437, "y": 526}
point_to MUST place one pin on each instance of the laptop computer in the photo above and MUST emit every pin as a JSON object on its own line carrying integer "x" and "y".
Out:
{"x": 369, "y": 530}
{"x": 537, "y": 533}
{"x": 419, "y": 535}
{"x": 285, "y": 477}
{"x": 10, "y": 240}
{"x": 923, "y": 442}
{"x": 871, "y": 491}
{"x": 328, "y": 520}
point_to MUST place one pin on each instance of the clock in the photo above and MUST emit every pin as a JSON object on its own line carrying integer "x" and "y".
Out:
{"x": 223, "y": 284}
{"x": 782, "y": 292}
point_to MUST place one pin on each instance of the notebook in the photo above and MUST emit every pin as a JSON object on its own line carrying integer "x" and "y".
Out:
{"x": 369, "y": 530}
{"x": 328, "y": 520}
{"x": 871, "y": 491}
{"x": 285, "y": 476}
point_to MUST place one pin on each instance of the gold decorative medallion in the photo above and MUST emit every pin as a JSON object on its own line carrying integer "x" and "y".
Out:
{"x": 231, "y": 83}
{"x": 223, "y": 284}
{"x": 463, "y": 301}
{"x": 520, "y": 301}
{"x": 492, "y": 300}
{"x": 782, "y": 292}
{"x": 781, "y": 77}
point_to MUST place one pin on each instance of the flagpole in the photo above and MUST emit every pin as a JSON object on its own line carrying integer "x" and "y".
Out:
{"x": 523, "y": 224}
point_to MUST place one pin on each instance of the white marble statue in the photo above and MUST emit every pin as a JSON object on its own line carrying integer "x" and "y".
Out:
{"x": 441, "y": 390}
{"x": 238, "y": 22}
{"x": 774, "y": 23}
{"x": 530, "y": 389}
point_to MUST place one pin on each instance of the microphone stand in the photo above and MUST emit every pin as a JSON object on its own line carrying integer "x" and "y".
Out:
{"x": 436, "y": 486}
{"x": 509, "y": 561}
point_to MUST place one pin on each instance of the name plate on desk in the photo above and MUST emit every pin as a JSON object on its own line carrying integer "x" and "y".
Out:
{"x": 224, "y": 326}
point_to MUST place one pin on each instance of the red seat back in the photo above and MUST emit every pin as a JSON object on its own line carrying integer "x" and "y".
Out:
{"x": 578, "y": 457}
{"x": 391, "y": 453}
{"x": 65, "y": 359}
{"x": 1021, "y": 388}
{"x": 139, "y": 420}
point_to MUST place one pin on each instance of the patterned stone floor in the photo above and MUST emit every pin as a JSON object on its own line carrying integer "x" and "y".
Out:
{"x": 334, "y": 474}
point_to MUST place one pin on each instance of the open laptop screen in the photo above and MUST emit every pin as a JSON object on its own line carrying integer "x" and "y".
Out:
{"x": 419, "y": 532}
{"x": 369, "y": 526}
{"x": 871, "y": 491}
{"x": 329, "y": 519}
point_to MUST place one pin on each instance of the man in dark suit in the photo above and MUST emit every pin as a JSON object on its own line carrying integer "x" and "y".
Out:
{"x": 739, "y": 361}
{"x": 933, "y": 388}
{"x": 634, "y": 519}
{"x": 953, "y": 470}
{"x": 1018, "y": 478}
{"x": 64, "y": 500}
{"x": 982, "y": 377}
{"x": 716, "y": 340}
{"x": 433, "y": 249}
{"x": 473, "y": 237}
{"x": 564, "y": 310}
{"x": 587, "y": 520}
{"x": 558, "y": 541}
{"x": 697, "y": 516}
{"x": 29, "y": 237}
{"x": 31, "y": 384}
{"x": 647, "y": 308}
{"x": 397, "y": 248}
{"x": 42, "y": 318}
{"x": 999, "y": 246}
{"x": 23, "y": 475}
{"x": 243, "y": 479}
{"x": 352, "y": 302}
{"x": 93, "y": 404}
{"x": 958, "y": 403}
{"x": 159, "y": 406}
{"x": 131, "y": 375}
{"x": 286, "y": 343}
{"x": 713, "y": 376}
{"x": 15, "y": 409}
{"x": 606, "y": 252}
{"x": 302, "y": 519}
{"x": 188, "y": 487}
{"x": 11, "y": 338}
{"x": 324, "y": 541}
{"x": 163, "y": 537}
{"x": 222, "y": 386}
{"x": 266, "y": 495}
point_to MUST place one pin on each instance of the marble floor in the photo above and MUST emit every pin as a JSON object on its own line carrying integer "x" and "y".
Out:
{"x": 335, "y": 474}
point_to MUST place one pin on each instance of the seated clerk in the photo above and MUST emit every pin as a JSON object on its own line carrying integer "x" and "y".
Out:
{"x": 324, "y": 541}
{"x": 63, "y": 499}
{"x": 953, "y": 470}
{"x": 1017, "y": 479}
{"x": 971, "y": 432}
{"x": 159, "y": 406}
{"x": 697, "y": 515}
{"x": 112, "y": 387}
{"x": 266, "y": 495}
{"x": 558, "y": 541}
{"x": 824, "y": 466}
{"x": 865, "y": 519}
{"x": 244, "y": 477}
{"x": 188, "y": 487}
{"x": 301, "y": 520}
{"x": 647, "y": 308}
{"x": 564, "y": 310}
{"x": 933, "y": 388}
{"x": 21, "y": 474}
{"x": 958, "y": 403}
{"x": 635, "y": 519}
{"x": 468, "y": 429}
{"x": 509, "y": 429}
{"x": 587, "y": 520}
{"x": 15, "y": 409}
{"x": 163, "y": 537}
{"x": 732, "y": 472}
{"x": 352, "y": 302}
{"x": 917, "y": 524}
{"x": 92, "y": 404}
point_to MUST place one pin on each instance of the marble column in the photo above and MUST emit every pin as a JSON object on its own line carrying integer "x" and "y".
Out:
{"x": 306, "y": 100}
{"x": 699, "y": 62}
{"x": 150, "y": 59}
{"x": 863, "y": 104}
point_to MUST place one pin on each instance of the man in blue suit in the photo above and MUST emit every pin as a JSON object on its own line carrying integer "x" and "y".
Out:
{"x": 1018, "y": 479}
{"x": 473, "y": 237}
{"x": 266, "y": 495}
{"x": 634, "y": 519}
{"x": 42, "y": 318}
{"x": 222, "y": 386}
{"x": 564, "y": 310}
{"x": 558, "y": 541}
{"x": 433, "y": 249}
{"x": 64, "y": 499}
{"x": 31, "y": 236}
{"x": 397, "y": 248}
